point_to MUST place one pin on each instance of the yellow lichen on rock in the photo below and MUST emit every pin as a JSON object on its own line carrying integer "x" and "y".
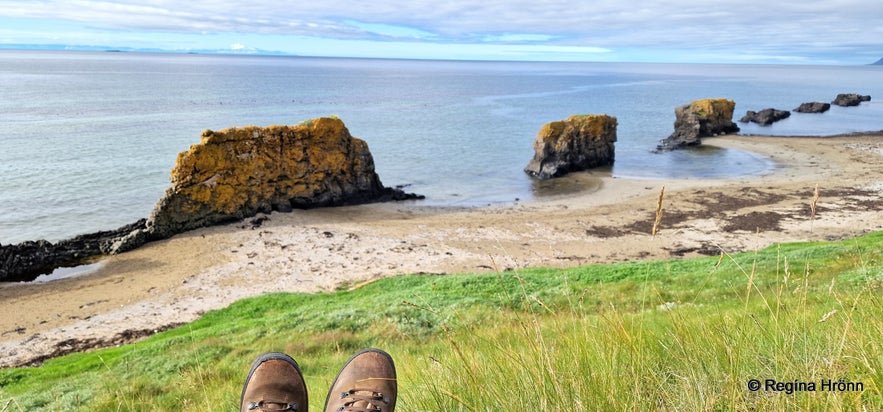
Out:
{"x": 237, "y": 172}
{"x": 576, "y": 143}
{"x": 599, "y": 127}
{"x": 721, "y": 109}
{"x": 700, "y": 118}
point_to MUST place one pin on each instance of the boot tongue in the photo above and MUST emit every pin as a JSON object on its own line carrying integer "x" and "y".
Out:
{"x": 268, "y": 406}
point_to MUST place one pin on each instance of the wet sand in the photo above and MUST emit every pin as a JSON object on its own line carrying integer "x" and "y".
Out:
{"x": 165, "y": 283}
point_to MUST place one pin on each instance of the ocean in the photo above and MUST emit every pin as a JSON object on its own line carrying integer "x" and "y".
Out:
{"x": 87, "y": 139}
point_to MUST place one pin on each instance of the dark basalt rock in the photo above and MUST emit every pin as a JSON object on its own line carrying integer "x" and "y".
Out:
{"x": 813, "y": 107}
{"x": 27, "y": 260}
{"x": 765, "y": 117}
{"x": 850, "y": 99}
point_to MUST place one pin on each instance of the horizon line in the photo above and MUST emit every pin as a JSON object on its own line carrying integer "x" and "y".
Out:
{"x": 59, "y": 47}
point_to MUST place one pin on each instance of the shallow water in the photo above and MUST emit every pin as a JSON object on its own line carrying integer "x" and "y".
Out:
{"x": 87, "y": 140}
{"x": 69, "y": 272}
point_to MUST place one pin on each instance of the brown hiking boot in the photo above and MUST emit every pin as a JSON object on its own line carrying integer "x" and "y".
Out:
{"x": 367, "y": 383}
{"x": 274, "y": 383}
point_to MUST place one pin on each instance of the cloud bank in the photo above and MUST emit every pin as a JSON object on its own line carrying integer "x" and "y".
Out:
{"x": 746, "y": 29}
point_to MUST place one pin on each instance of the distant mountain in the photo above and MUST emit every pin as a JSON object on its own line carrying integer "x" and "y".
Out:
{"x": 878, "y": 62}
{"x": 235, "y": 50}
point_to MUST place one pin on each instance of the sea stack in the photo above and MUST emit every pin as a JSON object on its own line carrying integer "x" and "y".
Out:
{"x": 579, "y": 142}
{"x": 701, "y": 118}
{"x": 236, "y": 173}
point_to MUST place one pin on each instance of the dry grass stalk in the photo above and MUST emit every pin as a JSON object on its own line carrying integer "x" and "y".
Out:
{"x": 751, "y": 279}
{"x": 658, "y": 212}
{"x": 10, "y": 402}
{"x": 827, "y": 315}
{"x": 813, "y": 207}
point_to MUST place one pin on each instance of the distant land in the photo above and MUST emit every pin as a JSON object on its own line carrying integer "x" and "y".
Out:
{"x": 67, "y": 47}
{"x": 239, "y": 51}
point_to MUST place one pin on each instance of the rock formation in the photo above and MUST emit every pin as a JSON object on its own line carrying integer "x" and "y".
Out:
{"x": 577, "y": 143}
{"x": 230, "y": 175}
{"x": 238, "y": 172}
{"x": 27, "y": 260}
{"x": 701, "y": 118}
{"x": 765, "y": 117}
{"x": 850, "y": 99}
{"x": 813, "y": 107}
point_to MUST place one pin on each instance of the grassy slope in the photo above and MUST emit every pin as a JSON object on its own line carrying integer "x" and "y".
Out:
{"x": 669, "y": 335}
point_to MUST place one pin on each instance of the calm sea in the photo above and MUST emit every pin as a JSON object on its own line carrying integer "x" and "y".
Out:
{"x": 87, "y": 140}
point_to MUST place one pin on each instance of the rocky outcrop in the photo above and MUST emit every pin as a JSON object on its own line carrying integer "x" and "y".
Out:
{"x": 701, "y": 118}
{"x": 230, "y": 175}
{"x": 27, "y": 260}
{"x": 850, "y": 99}
{"x": 238, "y": 172}
{"x": 813, "y": 107}
{"x": 577, "y": 143}
{"x": 765, "y": 117}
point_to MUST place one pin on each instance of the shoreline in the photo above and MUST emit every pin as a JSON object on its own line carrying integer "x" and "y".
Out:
{"x": 175, "y": 281}
{"x": 870, "y": 133}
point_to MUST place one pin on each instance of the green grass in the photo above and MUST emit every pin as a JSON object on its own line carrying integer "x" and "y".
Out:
{"x": 667, "y": 335}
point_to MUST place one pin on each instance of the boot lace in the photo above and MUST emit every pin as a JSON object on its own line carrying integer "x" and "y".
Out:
{"x": 363, "y": 400}
{"x": 268, "y": 406}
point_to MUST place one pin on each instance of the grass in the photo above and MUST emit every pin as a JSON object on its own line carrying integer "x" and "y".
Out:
{"x": 666, "y": 335}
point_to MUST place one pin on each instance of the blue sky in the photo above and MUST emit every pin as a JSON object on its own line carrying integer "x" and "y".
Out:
{"x": 719, "y": 31}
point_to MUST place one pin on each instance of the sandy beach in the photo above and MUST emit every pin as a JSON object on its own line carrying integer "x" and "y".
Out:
{"x": 170, "y": 282}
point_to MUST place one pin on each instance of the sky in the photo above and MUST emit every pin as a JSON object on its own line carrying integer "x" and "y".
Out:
{"x": 711, "y": 31}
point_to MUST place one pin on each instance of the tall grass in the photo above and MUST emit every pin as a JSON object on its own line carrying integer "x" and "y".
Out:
{"x": 694, "y": 355}
{"x": 669, "y": 335}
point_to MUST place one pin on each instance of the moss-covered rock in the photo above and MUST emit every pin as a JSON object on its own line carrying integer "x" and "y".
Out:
{"x": 238, "y": 172}
{"x": 701, "y": 118}
{"x": 579, "y": 142}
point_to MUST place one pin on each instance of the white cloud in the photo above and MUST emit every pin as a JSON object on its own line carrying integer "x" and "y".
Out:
{"x": 518, "y": 38}
{"x": 759, "y": 27}
{"x": 391, "y": 30}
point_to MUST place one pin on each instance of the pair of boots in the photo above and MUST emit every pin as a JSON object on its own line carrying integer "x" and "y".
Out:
{"x": 366, "y": 383}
